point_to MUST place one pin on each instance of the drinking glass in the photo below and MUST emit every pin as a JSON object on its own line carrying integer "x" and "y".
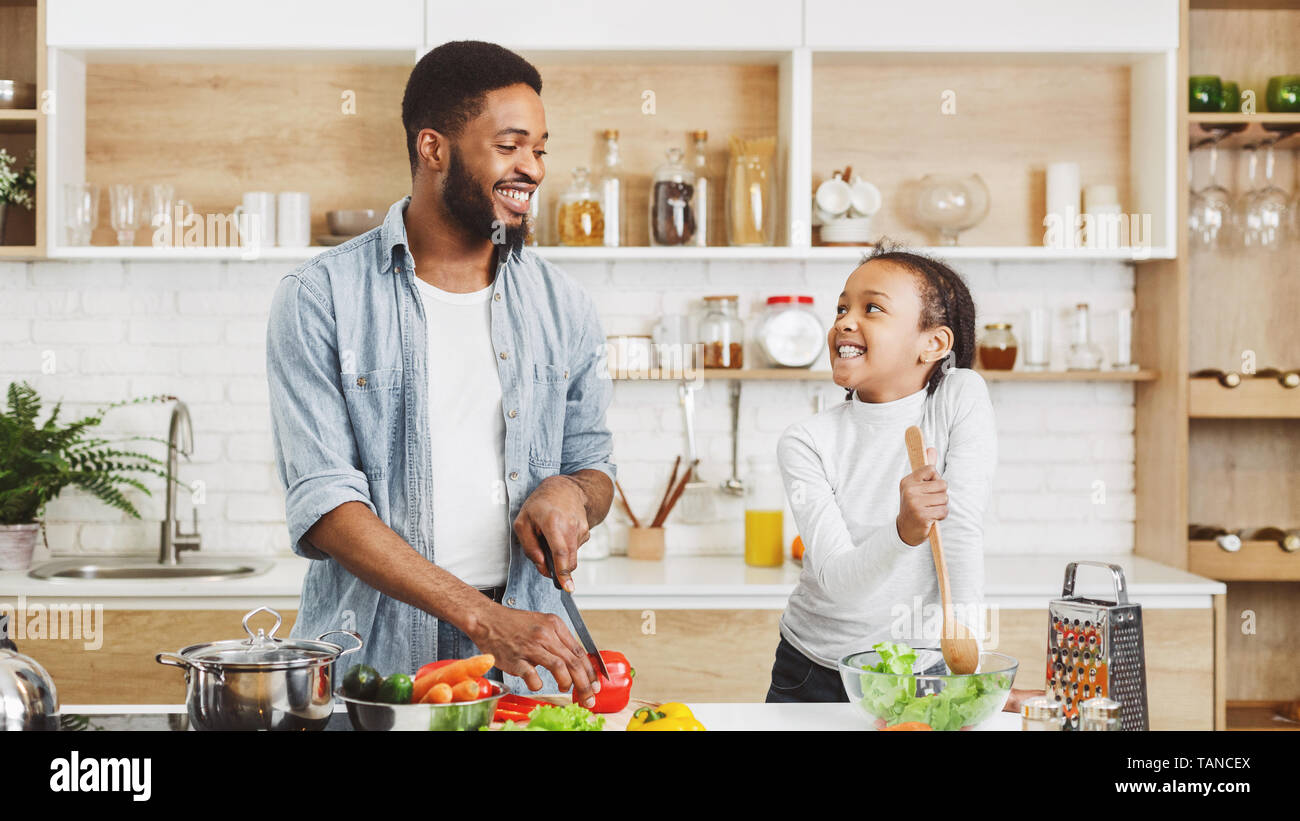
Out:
{"x": 125, "y": 210}
{"x": 157, "y": 212}
{"x": 1209, "y": 210}
{"x": 1036, "y": 340}
{"x": 80, "y": 211}
{"x": 1266, "y": 213}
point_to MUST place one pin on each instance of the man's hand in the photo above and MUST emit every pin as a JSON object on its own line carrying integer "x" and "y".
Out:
{"x": 922, "y": 500}
{"x": 520, "y": 640}
{"x": 556, "y": 511}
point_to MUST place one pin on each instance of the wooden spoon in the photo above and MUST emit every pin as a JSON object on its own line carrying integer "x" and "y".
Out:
{"x": 960, "y": 650}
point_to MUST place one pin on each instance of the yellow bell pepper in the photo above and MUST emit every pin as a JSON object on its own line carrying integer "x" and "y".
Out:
{"x": 671, "y": 716}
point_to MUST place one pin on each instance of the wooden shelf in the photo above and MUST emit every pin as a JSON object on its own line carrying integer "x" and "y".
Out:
{"x": 1246, "y": 129}
{"x": 801, "y": 374}
{"x": 1252, "y": 399}
{"x": 19, "y": 252}
{"x": 1255, "y": 562}
{"x": 1260, "y": 715}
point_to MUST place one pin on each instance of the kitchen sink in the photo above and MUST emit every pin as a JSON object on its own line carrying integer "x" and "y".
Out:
{"x": 137, "y": 569}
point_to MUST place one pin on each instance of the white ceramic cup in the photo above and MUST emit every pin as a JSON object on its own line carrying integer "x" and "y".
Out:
{"x": 255, "y": 219}
{"x": 293, "y": 220}
{"x": 833, "y": 198}
{"x": 864, "y": 198}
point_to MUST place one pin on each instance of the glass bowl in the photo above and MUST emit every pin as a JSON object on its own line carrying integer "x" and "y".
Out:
{"x": 938, "y": 700}
{"x": 949, "y": 204}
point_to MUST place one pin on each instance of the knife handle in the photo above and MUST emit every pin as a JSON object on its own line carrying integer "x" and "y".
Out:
{"x": 550, "y": 561}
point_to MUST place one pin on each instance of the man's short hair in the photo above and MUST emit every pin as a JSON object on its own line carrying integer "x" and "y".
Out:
{"x": 447, "y": 87}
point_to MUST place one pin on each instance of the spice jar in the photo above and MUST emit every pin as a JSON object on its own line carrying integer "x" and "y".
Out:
{"x": 580, "y": 220}
{"x": 672, "y": 212}
{"x": 722, "y": 332}
{"x": 998, "y": 347}
{"x": 1041, "y": 713}
{"x": 790, "y": 334}
{"x": 1100, "y": 714}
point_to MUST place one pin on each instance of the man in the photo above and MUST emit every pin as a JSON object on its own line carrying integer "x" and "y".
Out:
{"x": 437, "y": 400}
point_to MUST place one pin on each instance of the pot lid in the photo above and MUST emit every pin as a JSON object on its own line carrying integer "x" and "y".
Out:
{"x": 263, "y": 651}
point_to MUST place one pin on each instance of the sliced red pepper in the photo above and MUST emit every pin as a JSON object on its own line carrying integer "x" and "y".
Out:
{"x": 617, "y": 689}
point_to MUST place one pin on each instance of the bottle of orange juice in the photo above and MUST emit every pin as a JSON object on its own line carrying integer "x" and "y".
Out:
{"x": 764, "y": 514}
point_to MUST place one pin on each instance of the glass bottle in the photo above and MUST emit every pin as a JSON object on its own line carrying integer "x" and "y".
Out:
{"x": 998, "y": 347}
{"x": 700, "y": 165}
{"x": 764, "y": 514}
{"x": 580, "y": 219}
{"x": 1083, "y": 356}
{"x": 672, "y": 217}
{"x": 722, "y": 332}
{"x": 750, "y": 206}
{"x": 612, "y": 194}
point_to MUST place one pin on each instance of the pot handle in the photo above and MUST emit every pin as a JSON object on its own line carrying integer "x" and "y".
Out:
{"x": 173, "y": 660}
{"x": 354, "y": 634}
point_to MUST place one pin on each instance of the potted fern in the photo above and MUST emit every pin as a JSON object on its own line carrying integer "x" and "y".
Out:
{"x": 37, "y": 461}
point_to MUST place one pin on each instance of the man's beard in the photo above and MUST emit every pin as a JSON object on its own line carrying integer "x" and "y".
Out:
{"x": 474, "y": 210}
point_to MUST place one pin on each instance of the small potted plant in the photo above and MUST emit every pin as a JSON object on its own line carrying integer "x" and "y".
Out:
{"x": 16, "y": 187}
{"x": 37, "y": 461}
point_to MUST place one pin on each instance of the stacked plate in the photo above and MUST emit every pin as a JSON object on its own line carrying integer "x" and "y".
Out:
{"x": 847, "y": 231}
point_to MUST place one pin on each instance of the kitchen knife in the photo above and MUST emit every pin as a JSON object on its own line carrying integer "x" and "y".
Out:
{"x": 571, "y": 607}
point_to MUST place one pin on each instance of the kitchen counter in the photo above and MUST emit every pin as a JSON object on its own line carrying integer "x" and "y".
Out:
{"x": 619, "y": 583}
{"x": 714, "y": 716}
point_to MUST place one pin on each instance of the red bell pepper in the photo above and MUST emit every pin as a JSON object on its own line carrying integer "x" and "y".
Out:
{"x": 617, "y": 689}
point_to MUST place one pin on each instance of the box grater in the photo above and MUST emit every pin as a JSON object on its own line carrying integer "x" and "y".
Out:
{"x": 1095, "y": 648}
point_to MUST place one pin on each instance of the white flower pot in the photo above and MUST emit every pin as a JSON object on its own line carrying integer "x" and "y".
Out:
{"x": 16, "y": 545}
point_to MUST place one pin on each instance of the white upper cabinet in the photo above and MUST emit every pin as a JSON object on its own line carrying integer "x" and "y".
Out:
{"x": 619, "y": 24}
{"x": 992, "y": 25}
{"x": 235, "y": 24}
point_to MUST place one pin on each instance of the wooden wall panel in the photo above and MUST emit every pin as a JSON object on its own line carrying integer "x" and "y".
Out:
{"x": 885, "y": 120}
{"x": 1261, "y": 664}
{"x": 217, "y": 131}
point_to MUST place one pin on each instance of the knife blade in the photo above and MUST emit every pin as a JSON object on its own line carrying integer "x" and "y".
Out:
{"x": 571, "y": 607}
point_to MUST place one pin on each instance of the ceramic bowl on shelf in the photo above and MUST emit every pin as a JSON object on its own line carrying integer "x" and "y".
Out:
{"x": 349, "y": 223}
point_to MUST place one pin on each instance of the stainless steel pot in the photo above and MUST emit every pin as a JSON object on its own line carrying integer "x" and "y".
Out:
{"x": 260, "y": 683}
{"x": 28, "y": 700}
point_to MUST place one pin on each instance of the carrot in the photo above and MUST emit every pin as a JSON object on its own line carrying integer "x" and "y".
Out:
{"x": 460, "y": 670}
{"x": 910, "y": 725}
{"x": 439, "y": 693}
{"x": 421, "y": 688}
{"x": 466, "y": 690}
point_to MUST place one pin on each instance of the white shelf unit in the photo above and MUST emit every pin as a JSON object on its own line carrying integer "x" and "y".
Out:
{"x": 729, "y": 32}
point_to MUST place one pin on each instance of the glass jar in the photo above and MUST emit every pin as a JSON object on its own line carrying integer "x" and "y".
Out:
{"x": 1083, "y": 355}
{"x": 998, "y": 347}
{"x": 764, "y": 514}
{"x": 580, "y": 219}
{"x": 612, "y": 190}
{"x": 722, "y": 332}
{"x": 1041, "y": 713}
{"x": 672, "y": 216}
{"x": 1100, "y": 714}
{"x": 700, "y": 164}
{"x": 790, "y": 334}
{"x": 751, "y": 207}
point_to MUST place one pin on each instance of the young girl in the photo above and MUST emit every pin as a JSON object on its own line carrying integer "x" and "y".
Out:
{"x": 902, "y": 344}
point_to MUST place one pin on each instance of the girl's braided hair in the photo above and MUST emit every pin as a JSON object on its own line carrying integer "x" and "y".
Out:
{"x": 945, "y": 300}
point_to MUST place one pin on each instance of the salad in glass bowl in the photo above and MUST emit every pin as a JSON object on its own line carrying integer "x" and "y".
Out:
{"x": 897, "y": 687}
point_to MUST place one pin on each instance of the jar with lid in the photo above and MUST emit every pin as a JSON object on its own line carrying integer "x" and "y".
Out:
{"x": 722, "y": 332}
{"x": 764, "y": 514}
{"x": 1042, "y": 713}
{"x": 998, "y": 347}
{"x": 790, "y": 334}
{"x": 1100, "y": 714}
{"x": 672, "y": 213}
{"x": 580, "y": 219}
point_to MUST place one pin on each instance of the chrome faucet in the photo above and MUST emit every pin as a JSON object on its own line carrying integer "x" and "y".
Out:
{"x": 180, "y": 440}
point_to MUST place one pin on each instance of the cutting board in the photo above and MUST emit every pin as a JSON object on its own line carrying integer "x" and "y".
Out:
{"x": 614, "y": 722}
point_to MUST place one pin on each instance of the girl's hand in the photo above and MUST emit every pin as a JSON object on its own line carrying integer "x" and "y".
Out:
{"x": 922, "y": 500}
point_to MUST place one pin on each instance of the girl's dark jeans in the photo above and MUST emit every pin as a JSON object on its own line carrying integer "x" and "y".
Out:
{"x": 797, "y": 678}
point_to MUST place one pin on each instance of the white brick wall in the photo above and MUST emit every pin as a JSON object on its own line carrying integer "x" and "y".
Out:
{"x": 195, "y": 330}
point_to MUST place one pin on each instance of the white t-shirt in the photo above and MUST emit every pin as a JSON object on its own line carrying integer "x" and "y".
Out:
{"x": 467, "y": 434}
{"x": 861, "y": 583}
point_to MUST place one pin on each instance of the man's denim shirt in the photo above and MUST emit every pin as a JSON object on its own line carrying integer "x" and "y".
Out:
{"x": 346, "y": 349}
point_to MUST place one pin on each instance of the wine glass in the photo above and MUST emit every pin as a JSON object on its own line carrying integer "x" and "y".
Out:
{"x": 1244, "y": 221}
{"x": 125, "y": 207}
{"x": 1266, "y": 213}
{"x": 1209, "y": 210}
{"x": 950, "y": 204}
